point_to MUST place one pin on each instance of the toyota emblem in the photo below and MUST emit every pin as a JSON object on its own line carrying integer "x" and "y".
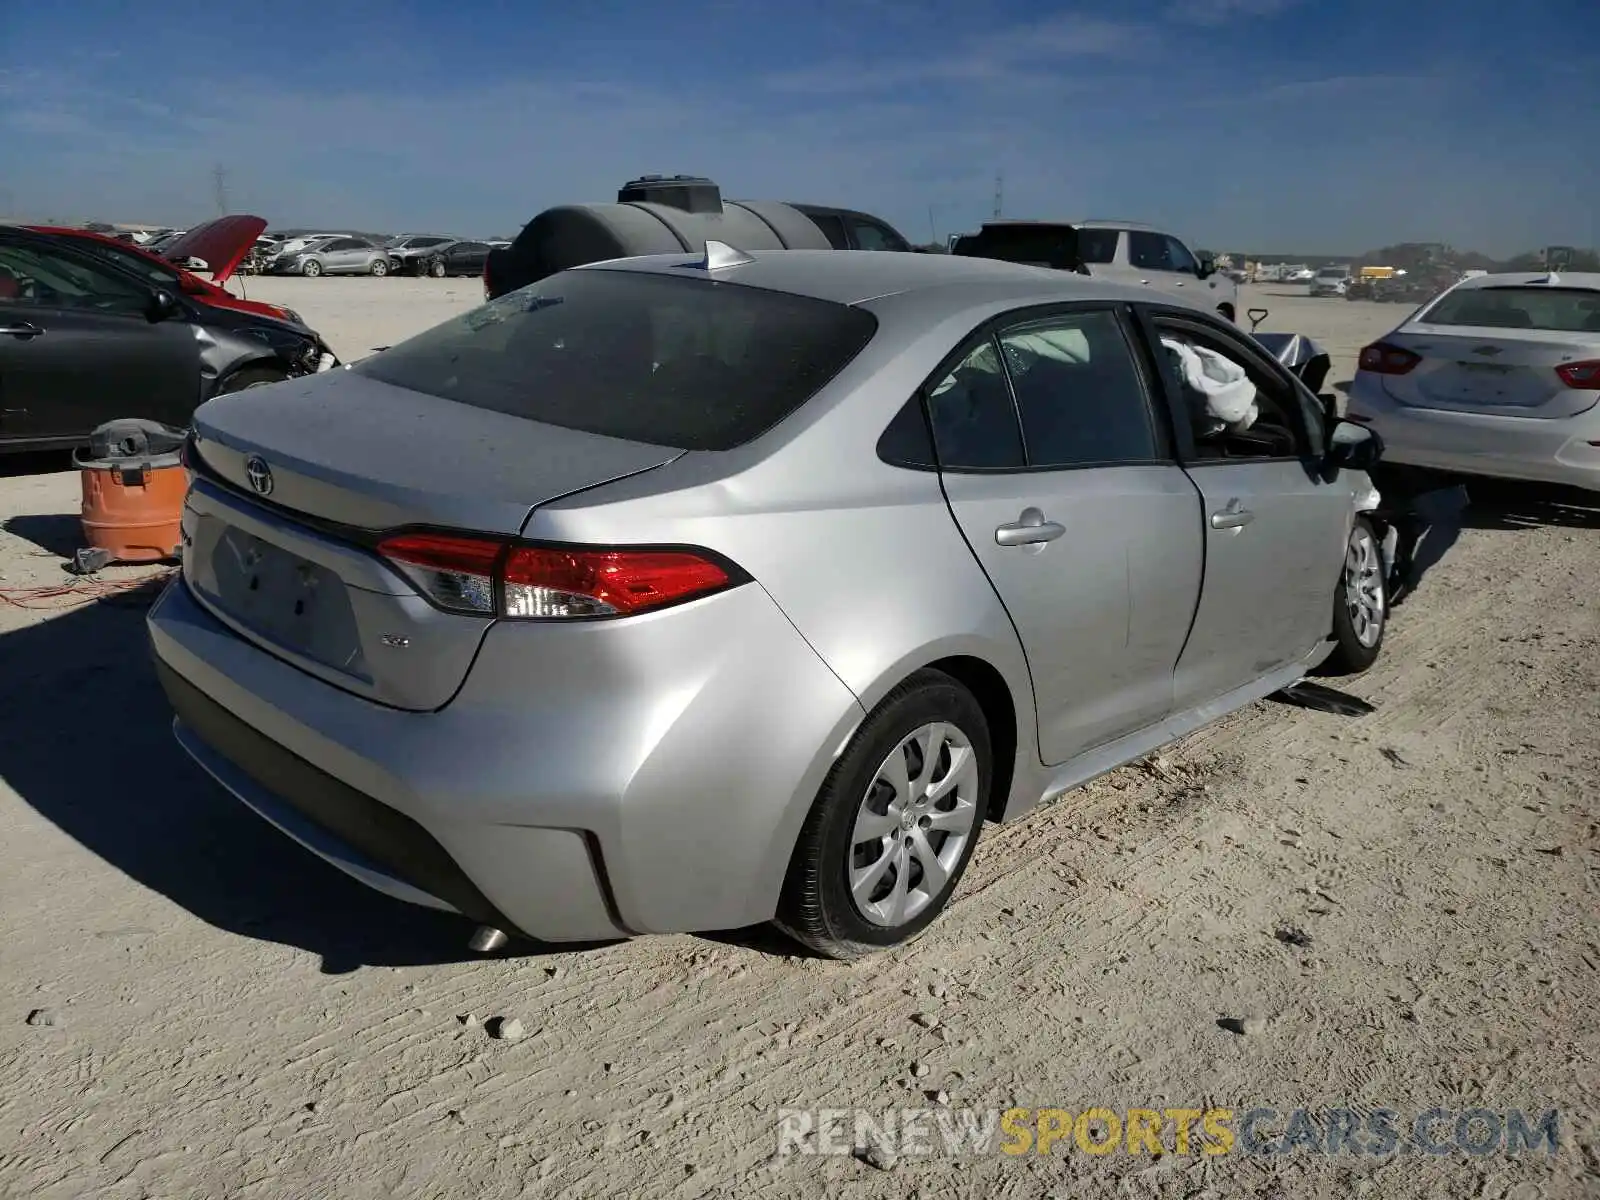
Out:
{"x": 259, "y": 475}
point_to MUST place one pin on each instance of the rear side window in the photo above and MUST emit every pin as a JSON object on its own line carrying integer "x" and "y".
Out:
{"x": 1097, "y": 245}
{"x": 667, "y": 360}
{"x": 1563, "y": 310}
{"x": 974, "y": 420}
{"x": 1079, "y": 392}
{"x": 872, "y": 236}
{"x": 833, "y": 229}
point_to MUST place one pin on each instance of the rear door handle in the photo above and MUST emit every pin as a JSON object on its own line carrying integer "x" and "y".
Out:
{"x": 1235, "y": 516}
{"x": 21, "y": 329}
{"x": 1030, "y": 529}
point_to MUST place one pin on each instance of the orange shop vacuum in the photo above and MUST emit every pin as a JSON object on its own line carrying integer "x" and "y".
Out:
{"x": 134, "y": 483}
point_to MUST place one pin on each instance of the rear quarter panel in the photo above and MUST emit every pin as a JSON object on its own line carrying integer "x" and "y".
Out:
{"x": 864, "y": 558}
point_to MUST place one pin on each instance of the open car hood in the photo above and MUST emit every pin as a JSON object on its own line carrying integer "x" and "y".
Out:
{"x": 1301, "y": 355}
{"x": 221, "y": 244}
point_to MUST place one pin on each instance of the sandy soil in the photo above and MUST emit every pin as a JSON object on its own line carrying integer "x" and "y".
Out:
{"x": 225, "y": 1016}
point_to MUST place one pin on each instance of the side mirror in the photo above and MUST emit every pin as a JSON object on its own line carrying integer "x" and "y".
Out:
{"x": 163, "y": 305}
{"x": 1207, "y": 265}
{"x": 1354, "y": 446}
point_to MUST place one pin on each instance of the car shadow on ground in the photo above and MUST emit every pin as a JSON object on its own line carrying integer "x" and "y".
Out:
{"x": 88, "y": 743}
{"x": 1501, "y": 505}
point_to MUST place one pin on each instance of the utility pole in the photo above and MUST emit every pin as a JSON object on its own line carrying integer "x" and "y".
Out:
{"x": 999, "y": 193}
{"x": 219, "y": 182}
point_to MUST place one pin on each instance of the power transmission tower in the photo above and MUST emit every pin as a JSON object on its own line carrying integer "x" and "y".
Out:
{"x": 999, "y": 193}
{"x": 219, "y": 181}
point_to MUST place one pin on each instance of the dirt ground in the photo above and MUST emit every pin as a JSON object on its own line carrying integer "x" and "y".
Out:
{"x": 1398, "y": 911}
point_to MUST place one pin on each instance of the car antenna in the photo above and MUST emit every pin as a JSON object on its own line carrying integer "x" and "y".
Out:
{"x": 720, "y": 255}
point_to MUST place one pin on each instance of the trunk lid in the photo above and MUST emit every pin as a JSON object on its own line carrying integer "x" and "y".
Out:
{"x": 294, "y": 483}
{"x": 222, "y": 244}
{"x": 1494, "y": 371}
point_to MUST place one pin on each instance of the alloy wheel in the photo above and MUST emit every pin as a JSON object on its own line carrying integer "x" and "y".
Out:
{"x": 1364, "y": 597}
{"x": 913, "y": 824}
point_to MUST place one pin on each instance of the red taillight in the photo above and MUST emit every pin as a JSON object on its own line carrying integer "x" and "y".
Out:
{"x": 1584, "y": 374}
{"x": 492, "y": 578}
{"x": 1383, "y": 359}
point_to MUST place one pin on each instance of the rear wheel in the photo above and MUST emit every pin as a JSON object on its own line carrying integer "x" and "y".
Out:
{"x": 312, "y": 268}
{"x": 250, "y": 377}
{"x": 895, "y": 824}
{"x": 1361, "y": 605}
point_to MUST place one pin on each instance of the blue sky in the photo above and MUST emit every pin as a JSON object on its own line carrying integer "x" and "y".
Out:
{"x": 1253, "y": 124}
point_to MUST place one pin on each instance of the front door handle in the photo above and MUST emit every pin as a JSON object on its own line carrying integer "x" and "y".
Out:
{"x": 1235, "y": 516}
{"x": 21, "y": 329}
{"x": 1030, "y": 529}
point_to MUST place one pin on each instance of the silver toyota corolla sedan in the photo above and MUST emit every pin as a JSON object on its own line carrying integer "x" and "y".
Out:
{"x": 1499, "y": 377}
{"x": 681, "y": 593}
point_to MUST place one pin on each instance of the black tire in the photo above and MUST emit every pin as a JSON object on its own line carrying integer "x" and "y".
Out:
{"x": 250, "y": 377}
{"x": 1355, "y": 647}
{"x": 816, "y": 907}
{"x": 312, "y": 269}
{"x": 436, "y": 269}
{"x": 379, "y": 268}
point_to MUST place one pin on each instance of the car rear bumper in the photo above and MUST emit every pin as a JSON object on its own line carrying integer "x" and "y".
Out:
{"x": 653, "y": 793}
{"x": 1532, "y": 449}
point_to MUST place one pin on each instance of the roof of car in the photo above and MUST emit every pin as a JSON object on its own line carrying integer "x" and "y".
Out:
{"x": 853, "y": 276}
{"x": 1571, "y": 279}
{"x": 1086, "y": 223}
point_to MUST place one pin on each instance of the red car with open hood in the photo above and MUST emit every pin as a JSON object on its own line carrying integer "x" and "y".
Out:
{"x": 221, "y": 244}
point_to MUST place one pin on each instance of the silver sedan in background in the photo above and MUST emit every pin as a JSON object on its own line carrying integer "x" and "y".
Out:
{"x": 1499, "y": 377}
{"x": 686, "y": 592}
{"x": 332, "y": 256}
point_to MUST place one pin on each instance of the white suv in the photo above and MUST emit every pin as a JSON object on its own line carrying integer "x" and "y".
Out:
{"x": 1122, "y": 251}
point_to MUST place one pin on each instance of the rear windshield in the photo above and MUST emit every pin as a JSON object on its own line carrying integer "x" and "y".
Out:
{"x": 147, "y": 268}
{"x": 688, "y": 363}
{"x": 1565, "y": 310}
{"x": 1031, "y": 245}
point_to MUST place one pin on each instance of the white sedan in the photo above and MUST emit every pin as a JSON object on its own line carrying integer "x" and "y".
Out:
{"x": 1497, "y": 377}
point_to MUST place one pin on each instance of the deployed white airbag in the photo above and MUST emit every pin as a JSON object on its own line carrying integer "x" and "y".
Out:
{"x": 1229, "y": 395}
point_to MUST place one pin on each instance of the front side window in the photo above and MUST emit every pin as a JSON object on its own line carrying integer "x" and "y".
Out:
{"x": 1235, "y": 406}
{"x": 1149, "y": 251}
{"x": 1079, "y": 391}
{"x": 1178, "y": 254}
{"x": 671, "y": 361}
{"x": 38, "y": 275}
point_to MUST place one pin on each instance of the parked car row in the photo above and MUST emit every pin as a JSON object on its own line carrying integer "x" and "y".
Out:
{"x": 93, "y": 328}
{"x": 351, "y": 254}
